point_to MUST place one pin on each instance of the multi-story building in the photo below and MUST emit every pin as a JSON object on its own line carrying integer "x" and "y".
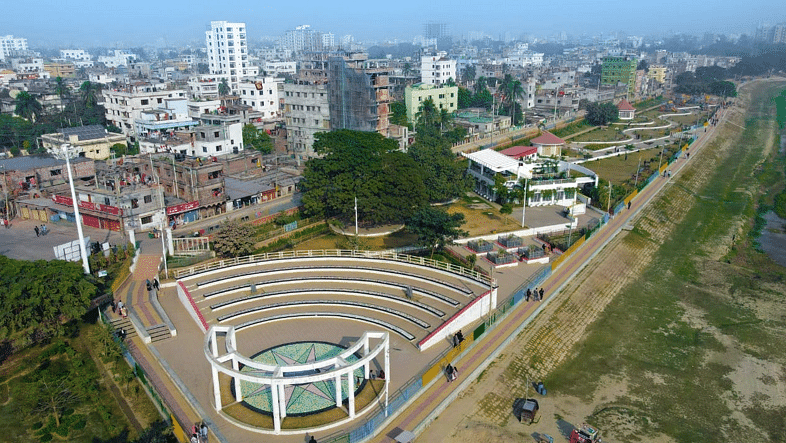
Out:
{"x": 11, "y": 46}
{"x": 227, "y": 52}
{"x": 445, "y": 97}
{"x": 125, "y": 105}
{"x": 75, "y": 55}
{"x": 657, "y": 73}
{"x": 359, "y": 98}
{"x": 215, "y": 140}
{"x": 93, "y": 141}
{"x": 261, "y": 94}
{"x": 60, "y": 69}
{"x": 204, "y": 86}
{"x": 118, "y": 58}
{"x": 620, "y": 69}
{"x": 30, "y": 65}
{"x": 305, "y": 39}
{"x": 164, "y": 119}
{"x": 437, "y": 69}
{"x": 307, "y": 112}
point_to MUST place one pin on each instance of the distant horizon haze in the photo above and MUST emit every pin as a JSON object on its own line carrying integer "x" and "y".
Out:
{"x": 91, "y": 23}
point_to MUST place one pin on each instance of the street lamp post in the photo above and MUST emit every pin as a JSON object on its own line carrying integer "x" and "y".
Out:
{"x": 67, "y": 151}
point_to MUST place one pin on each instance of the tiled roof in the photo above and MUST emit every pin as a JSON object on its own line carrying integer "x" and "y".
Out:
{"x": 547, "y": 139}
{"x": 519, "y": 151}
{"x": 623, "y": 105}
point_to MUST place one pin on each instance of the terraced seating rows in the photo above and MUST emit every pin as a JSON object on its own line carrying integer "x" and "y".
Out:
{"x": 352, "y": 292}
{"x": 324, "y": 279}
{"x": 464, "y": 290}
{"x": 288, "y": 304}
{"x": 355, "y": 317}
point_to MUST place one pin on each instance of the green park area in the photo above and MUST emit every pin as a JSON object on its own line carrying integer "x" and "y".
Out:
{"x": 692, "y": 347}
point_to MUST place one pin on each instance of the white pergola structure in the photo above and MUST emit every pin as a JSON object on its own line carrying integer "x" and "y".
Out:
{"x": 335, "y": 368}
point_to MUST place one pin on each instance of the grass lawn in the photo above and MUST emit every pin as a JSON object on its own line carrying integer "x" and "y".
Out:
{"x": 681, "y": 337}
{"x": 608, "y": 134}
{"x": 686, "y": 120}
{"x": 619, "y": 168}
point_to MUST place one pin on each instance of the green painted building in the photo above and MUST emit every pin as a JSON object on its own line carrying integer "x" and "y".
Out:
{"x": 619, "y": 70}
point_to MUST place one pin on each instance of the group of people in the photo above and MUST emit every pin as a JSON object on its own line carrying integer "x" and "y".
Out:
{"x": 152, "y": 285}
{"x": 373, "y": 375}
{"x": 199, "y": 433}
{"x": 458, "y": 337}
{"x": 40, "y": 230}
{"x": 451, "y": 372}
{"x": 536, "y": 295}
{"x": 120, "y": 307}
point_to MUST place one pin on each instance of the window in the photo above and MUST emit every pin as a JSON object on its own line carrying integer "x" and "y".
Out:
{"x": 147, "y": 219}
{"x": 204, "y": 148}
{"x": 218, "y": 148}
{"x": 216, "y": 134}
{"x": 56, "y": 172}
{"x": 106, "y": 201}
{"x": 134, "y": 203}
{"x": 144, "y": 101}
{"x": 148, "y": 199}
{"x": 160, "y": 100}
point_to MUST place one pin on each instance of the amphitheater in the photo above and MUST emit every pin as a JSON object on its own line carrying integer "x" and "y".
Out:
{"x": 290, "y": 340}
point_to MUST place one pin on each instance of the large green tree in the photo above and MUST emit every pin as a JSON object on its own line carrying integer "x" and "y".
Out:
{"x": 435, "y": 227}
{"x": 601, "y": 114}
{"x": 89, "y": 92}
{"x": 257, "y": 139}
{"x": 27, "y": 106}
{"x": 223, "y": 88}
{"x": 398, "y": 114}
{"x": 387, "y": 183}
{"x": 234, "y": 239}
{"x": 512, "y": 90}
{"x": 41, "y": 295}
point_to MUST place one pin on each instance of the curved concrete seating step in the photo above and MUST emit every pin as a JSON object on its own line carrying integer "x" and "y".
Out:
{"x": 306, "y": 280}
{"x": 414, "y": 304}
{"x": 354, "y": 304}
{"x": 295, "y": 315}
{"x": 368, "y": 269}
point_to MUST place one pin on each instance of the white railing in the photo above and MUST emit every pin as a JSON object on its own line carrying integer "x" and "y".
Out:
{"x": 385, "y": 255}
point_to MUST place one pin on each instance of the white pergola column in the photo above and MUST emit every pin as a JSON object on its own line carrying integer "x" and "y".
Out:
{"x": 351, "y": 393}
{"x": 367, "y": 366}
{"x": 238, "y": 393}
{"x": 282, "y": 399}
{"x": 338, "y": 390}
{"x": 276, "y": 412}
{"x": 387, "y": 373}
{"x": 216, "y": 389}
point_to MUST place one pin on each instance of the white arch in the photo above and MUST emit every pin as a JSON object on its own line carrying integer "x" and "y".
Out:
{"x": 332, "y": 369}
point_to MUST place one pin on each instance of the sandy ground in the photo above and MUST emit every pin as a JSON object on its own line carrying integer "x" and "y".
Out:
{"x": 483, "y": 412}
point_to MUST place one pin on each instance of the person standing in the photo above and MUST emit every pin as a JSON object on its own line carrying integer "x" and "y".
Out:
{"x": 155, "y": 284}
{"x": 36, "y": 231}
{"x": 541, "y": 294}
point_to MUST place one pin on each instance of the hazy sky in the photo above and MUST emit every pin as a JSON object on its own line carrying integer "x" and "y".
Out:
{"x": 107, "y": 23}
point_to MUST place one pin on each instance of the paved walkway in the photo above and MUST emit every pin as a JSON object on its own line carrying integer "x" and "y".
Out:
{"x": 436, "y": 398}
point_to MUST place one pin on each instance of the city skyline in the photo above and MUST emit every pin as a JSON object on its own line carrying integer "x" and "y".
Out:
{"x": 90, "y": 23}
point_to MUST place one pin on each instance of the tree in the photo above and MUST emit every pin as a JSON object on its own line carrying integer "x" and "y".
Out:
{"x": 89, "y": 92}
{"x": 407, "y": 69}
{"x": 464, "y": 98}
{"x": 444, "y": 178}
{"x": 223, "y": 88}
{"x": 256, "y": 139}
{"x": 512, "y": 91}
{"x": 601, "y": 114}
{"x": 387, "y": 183}
{"x": 468, "y": 75}
{"x": 234, "y": 239}
{"x": 398, "y": 114}
{"x": 27, "y": 106}
{"x": 435, "y": 227}
{"x": 61, "y": 88}
{"x": 481, "y": 84}
{"x": 506, "y": 209}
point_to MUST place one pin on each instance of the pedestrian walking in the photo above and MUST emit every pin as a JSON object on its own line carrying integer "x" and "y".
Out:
{"x": 203, "y": 432}
{"x": 528, "y": 294}
{"x": 535, "y": 294}
{"x": 628, "y": 205}
{"x": 449, "y": 372}
{"x": 36, "y": 231}
{"x": 541, "y": 294}
{"x": 155, "y": 283}
{"x": 313, "y": 440}
{"x": 120, "y": 304}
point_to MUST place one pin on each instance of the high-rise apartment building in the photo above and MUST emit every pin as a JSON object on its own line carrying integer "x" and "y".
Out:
{"x": 305, "y": 39}
{"x": 619, "y": 70}
{"x": 437, "y": 69}
{"x": 227, "y": 52}
{"x": 9, "y": 46}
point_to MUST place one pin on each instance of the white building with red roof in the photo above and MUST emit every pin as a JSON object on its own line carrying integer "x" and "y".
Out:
{"x": 548, "y": 144}
{"x": 626, "y": 110}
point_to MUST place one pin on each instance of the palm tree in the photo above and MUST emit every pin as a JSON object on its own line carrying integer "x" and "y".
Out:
{"x": 61, "y": 89}
{"x": 407, "y": 69}
{"x": 468, "y": 75}
{"x": 89, "y": 93}
{"x": 481, "y": 84}
{"x": 223, "y": 87}
{"x": 27, "y": 106}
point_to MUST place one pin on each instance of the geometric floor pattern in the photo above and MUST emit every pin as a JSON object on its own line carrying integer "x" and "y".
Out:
{"x": 302, "y": 399}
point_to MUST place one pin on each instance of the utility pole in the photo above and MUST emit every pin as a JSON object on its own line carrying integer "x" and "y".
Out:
{"x": 67, "y": 151}
{"x": 356, "y": 215}
{"x": 638, "y": 168}
{"x": 608, "y": 205}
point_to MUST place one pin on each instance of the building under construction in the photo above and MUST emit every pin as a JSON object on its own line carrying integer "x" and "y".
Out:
{"x": 359, "y": 96}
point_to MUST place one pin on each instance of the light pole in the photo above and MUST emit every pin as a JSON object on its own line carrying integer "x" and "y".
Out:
{"x": 67, "y": 151}
{"x": 5, "y": 193}
{"x": 661, "y": 157}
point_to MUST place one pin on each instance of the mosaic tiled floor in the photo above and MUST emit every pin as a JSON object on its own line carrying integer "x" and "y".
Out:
{"x": 300, "y": 399}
